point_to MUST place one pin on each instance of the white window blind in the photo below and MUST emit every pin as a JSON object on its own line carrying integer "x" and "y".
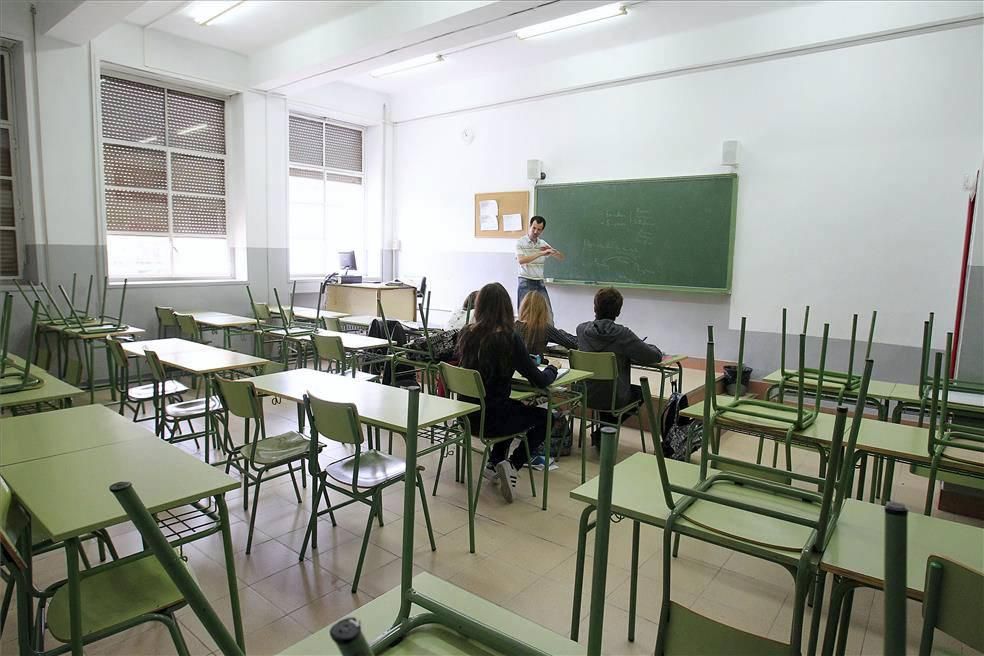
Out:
{"x": 164, "y": 176}
{"x": 327, "y": 201}
{"x": 9, "y": 251}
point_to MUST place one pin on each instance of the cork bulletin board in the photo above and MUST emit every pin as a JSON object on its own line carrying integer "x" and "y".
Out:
{"x": 508, "y": 202}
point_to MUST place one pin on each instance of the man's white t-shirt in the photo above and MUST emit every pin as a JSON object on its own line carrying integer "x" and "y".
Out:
{"x": 526, "y": 247}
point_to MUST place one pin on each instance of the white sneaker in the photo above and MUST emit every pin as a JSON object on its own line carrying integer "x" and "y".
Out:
{"x": 506, "y": 473}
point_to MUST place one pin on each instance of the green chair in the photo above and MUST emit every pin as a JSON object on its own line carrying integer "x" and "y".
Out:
{"x": 330, "y": 323}
{"x": 115, "y": 596}
{"x": 176, "y": 570}
{"x": 750, "y": 512}
{"x": 845, "y": 381}
{"x": 134, "y": 397}
{"x": 468, "y": 386}
{"x": 169, "y": 414}
{"x": 258, "y": 455}
{"x": 949, "y": 604}
{"x": 329, "y": 348}
{"x": 188, "y": 328}
{"x": 361, "y": 477}
{"x": 947, "y": 437}
{"x": 165, "y": 321}
{"x": 604, "y": 375}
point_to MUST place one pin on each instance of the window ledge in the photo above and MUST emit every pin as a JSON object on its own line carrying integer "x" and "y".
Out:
{"x": 178, "y": 283}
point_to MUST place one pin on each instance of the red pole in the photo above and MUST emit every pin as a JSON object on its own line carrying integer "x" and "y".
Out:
{"x": 965, "y": 263}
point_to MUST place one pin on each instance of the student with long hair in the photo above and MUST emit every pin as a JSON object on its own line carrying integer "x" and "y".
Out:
{"x": 492, "y": 347}
{"x": 535, "y": 326}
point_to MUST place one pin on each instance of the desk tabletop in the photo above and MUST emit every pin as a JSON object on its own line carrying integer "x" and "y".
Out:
{"x": 569, "y": 377}
{"x": 636, "y": 491}
{"x": 68, "y": 494}
{"x": 857, "y": 546}
{"x": 379, "y": 405}
{"x": 222, "y": 319}
{"x": 377, "y": 616}
{"x": 165, "y": 346}
{"x": 365, "y": 320}
{"x": 194, "y": 357}
{"x": 966, "y": 401}
{"x": 47, "y": 434}
{"x": 877, "y": 389}
{"x": 350, "y": 341}
{"x": 308, "y": 313}
{"x": 53, "y": 388}
{"x": 131, "y": 331}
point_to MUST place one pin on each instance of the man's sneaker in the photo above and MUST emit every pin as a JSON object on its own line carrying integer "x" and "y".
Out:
{"x": 506, "y": 473}
{"x": 490, "y": 474}
{"x": 537, "y": 463}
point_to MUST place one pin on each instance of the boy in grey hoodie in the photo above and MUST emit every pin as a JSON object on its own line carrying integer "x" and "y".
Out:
{"x": 604, "y": 335}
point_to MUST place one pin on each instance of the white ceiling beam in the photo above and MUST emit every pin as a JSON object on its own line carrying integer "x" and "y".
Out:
{"x": 80, "y": 22}
{"x": 389, "y": 32}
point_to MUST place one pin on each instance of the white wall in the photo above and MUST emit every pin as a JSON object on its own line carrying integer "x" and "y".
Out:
{"x": 849, "y": 197}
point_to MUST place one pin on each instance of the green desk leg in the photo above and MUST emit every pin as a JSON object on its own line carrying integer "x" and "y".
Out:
{"x": 634, "y": 580}
{"x": 839, "y": 616}
{"x": 74, "y": 594}
{"x": 230, "y": 562}
{"x": 466, "y": 451}
{"x": 584, "y": 525}
{"x": 546, "y": 451}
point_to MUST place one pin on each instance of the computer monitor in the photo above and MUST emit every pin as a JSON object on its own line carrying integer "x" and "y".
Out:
{"x": 346, "y": 260}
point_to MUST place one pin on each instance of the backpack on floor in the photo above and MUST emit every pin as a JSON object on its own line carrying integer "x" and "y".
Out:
{"x": 561, "y": 437}
{"x": 678, "y": 430}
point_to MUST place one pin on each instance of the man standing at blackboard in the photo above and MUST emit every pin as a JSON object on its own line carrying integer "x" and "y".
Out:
{"x": 532, "y": 253}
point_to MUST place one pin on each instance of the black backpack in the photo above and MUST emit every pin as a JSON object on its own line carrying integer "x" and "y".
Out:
{"x": 677, "y": 430}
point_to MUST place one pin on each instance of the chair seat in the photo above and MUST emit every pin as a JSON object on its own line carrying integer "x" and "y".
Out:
{"x": 375, "y": 468}
{"x": 754, "y": 528}
{"x": 692, "y": 634}
{"x": 192, "y": 408}
{"x": 146, "y": 392}
{"x": 279, "y": 448}
{"x": 115, "y": 595}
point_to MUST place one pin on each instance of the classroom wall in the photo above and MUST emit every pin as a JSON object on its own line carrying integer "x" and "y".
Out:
{"x": 850, "y": 194}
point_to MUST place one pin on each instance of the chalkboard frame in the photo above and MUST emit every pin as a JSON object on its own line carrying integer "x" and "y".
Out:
{"x": 675, "y": 288}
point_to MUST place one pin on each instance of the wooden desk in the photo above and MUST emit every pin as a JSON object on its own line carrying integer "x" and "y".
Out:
{"x": 636, "y": 495}
{"x": 52, "y": 390}
{"x": 855, "y": 555}
{"x": 67, "y": 495}
{"x": 32, "y": 437}
{"x": 224, "y": 322}
{"x": 560, "y": 393}
{"x": 399, "y": 302}
{"x": 381, "y": 406}
{"x": 376, "y": 617}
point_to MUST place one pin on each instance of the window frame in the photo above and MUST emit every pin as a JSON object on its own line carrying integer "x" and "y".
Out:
{"x": 10, "y": 124}
{"x": 168, "y": 192}
{"x": 362, "y": 256}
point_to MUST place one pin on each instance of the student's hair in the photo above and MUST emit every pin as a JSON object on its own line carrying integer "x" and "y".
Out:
{"x": 608, "y": 303}
{"x": 486, "y": 345}
{"x": 470, "y": 300}
{"x": 535, "y": 315}
{"x": 538, "y": 219}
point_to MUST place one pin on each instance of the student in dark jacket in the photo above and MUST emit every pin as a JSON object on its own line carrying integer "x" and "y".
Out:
{"x": 604, "y": 335}
{"x": 536, "y": 327}
{"x": 492, "y": 347}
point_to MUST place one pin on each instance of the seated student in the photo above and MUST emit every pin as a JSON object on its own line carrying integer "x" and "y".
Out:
{"x": 604, "y": 335}
{"x": 536, "y": 327}
{"x": 457, "y": 319}
{"x": 492, "y": 347}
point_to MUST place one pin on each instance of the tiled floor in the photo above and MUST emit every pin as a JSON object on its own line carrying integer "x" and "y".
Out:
{"x": 524, "y": 562}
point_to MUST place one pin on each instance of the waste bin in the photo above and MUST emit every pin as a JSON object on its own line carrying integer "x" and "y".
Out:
{"x": 731, "y": 376}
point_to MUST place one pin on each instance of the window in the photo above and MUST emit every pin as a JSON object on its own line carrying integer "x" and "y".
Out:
{"x": 9, "y": 251}
{"x": 164, "y": 178}
{"x": 327, "y": 198}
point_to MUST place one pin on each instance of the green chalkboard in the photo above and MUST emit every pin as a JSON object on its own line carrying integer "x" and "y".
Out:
{"x": 664, "y": 233}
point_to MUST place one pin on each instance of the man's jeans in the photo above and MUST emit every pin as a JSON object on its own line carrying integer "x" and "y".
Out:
{"x": 527, "y": 285}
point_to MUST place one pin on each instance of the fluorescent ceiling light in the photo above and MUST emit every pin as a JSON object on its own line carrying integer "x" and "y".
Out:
{"x": 407, "y": 65}
{"x": 193, "y": 128}
{"x": 580, "y": 18}
{"x": 206, "y": 11}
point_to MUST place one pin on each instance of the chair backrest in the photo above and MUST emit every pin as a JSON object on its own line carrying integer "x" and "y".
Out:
{"x": 603, "y": 366}
{"x": 941, "y": 419}
{"x": 329, "y": 347}
{"x": 331, "y": 323}
{"x": 176, "y": 570}
{"x": 116, "y": 351}
{"x": 155, "y": 365}
{"x": 13, "y": 525}
{"x": 463, "y": 382}
{"x": 262, "y": 311}
{"x": 240, "y": 398}
{"x": 165, "y": 318}
{"x": 335, "y": 421}
{"x": 953, "y": 593}
{"x": 187, "y": 326}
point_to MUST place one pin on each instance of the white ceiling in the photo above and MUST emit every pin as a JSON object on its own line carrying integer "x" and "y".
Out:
{"x": 644, "y": 20}
{"x": 252, "y": 26}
